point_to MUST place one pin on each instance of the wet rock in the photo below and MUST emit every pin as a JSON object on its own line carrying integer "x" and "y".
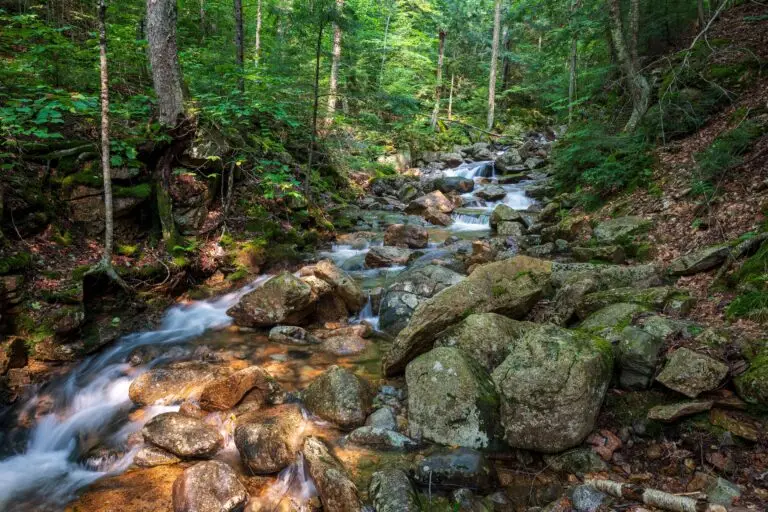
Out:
{"x": 510, "y": 287}
{"x": 345, "y": 344}
{"x": 451, "y": 469}
{"x": 337, "y": 492}
{"x": 406, "y": 235}
{"x": 587, "y": 499}
{"x": 210, "y": 486}
{"x": 342, "y": 284}
{"x": 608, "y": 253}
{"x": 293, "y": 335}
{"x": 454, "y": 184}
{"x": 382, "y": 418}
{"x": 652, "y": 298}
{"x": 535, "y": 163}
{"x": 491, "y": 193}
{"x": 504, "y": 213}
{"x": 620, "y": 230}
{"x": 513, "y": 229}
{"x": 486, "y": 337}
{"x": 691, "y": 373}
{"x": 268, "y": 441}
{"x": 173, "y": 383}
{"x": 226, "y": 392}
{"x": 638, "y": 355}
{"x": 408, "y": 193}
{"x": 699, "y": 261}
{"x": 13, "y": 354}
{"x": 385, "y": 256}
{"x": 150, "y": 456}
{"x": 392, "y": 491}
{"x": 339, "y": 396}
{"x": 433, "y": 201}
{"x": 436, "y": 217}
{"x": 673, "y": 412}
{"x": 380, "y": 439}
{"x": 451, "y": 400}
{"x": 508, "y": 161}
{"x": 606, "y": 276}
{"x": 551, "y": 387}
{"x": 578, "y": 461}
{"x": 283, "y": 299}
{"x": 183, "y": 436}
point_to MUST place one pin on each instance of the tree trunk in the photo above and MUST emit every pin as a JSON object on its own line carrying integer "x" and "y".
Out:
{"x": 316, "y": 106}
{"x": 637, "y": 84}
{"x": 109, "y": 224}
{"x": 494, "y": 59}
{"x": 506, "y": 62}
{"x": 572, "y": 62}
{"x": 239, "y": 50}
{"x": 450, "y": 98}
{"x": 257, "y": 45}
{"x": 384, "y": 50}
{"x": 202, "y": 20}
{"x": 334, "y": 80}
{"x": 439, "y": 82}
{"x": 634, "y": 29}
{"x": 164, "y": 59}
{"x": 702, "y": 17}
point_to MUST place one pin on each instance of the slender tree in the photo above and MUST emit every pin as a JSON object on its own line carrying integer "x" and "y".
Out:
{"x": 572, "y": 61}
{"x": 506, "y": 62}
{"x": 494, "y": 59}
{"x": 239, "y": 49}
{"x": 450, "y": 97}
{"x": 439, "y": 81}
{"x": 384, "y": 44}
{"x": 257, "y": 44}
{"x": 333, "y": 82}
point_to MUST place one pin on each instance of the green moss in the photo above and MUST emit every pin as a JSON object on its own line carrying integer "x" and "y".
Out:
{"x": 237, "y": 275}
{"x": 498, "y": 290}
{"x": 86, "y": 177}
{"x": 140, "y": 191}
{"x": 180, "y": 261}
{"x": 127, "y": 250}
{"x": 15, "y": 263}
{"x": 79, "y": 272}
{"x": 64, "y": 239}
{"x": 751, "y": 305}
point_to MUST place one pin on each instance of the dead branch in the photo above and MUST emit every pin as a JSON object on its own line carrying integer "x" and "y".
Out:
{"x": 653, "y": 497}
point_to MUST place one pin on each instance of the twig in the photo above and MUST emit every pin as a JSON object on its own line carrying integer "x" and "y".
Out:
{"x": 704, "y": 31}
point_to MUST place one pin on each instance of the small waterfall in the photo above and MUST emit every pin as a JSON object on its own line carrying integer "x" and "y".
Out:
{"x": 367, "y": 315}
{"x": 292, "y": 490}
{"x": 472, "y": 170}
{"x": 469, "y": 222}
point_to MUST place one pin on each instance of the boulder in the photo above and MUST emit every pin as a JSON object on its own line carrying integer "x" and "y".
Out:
{"x": 385, "y": 256}
{"x": 513, "y": 229}
{"x": 226, "y": 392}
{"x": 569, "y": 229}
{"x": 210, "y": 486}
{"x": 408, "y": 193}
{"x": 691, "y": 373}
{"x": 752, "y": 385}
{"x": 509, "y": 287}
{"x": 283, "y": 299}
{"x": 433, "y": 201}
{"x": 382, "y": 418}
{"x": 504, "y": 213}
{"x": 345, "y": 344}
{"x": 620, "y": 230}
{"x": 455, "y": 469}
{"x": 486, "y": 337}
{"x": 699, "y": 261}
{"x": 551, "y": 387}
{"x": 380, "y": 439}
{"x": 173, "y": 383}
{"x": 451, "y": 400}
{"x": 638, "y": 354}
{"x": 508, "y": 161}
{"x": 652, "y": 298}
{"x": 13, "y": 354}
{"x": 491, "y": 193}
{"x": 577, "y": 461}
{"x": 292, "y": 335}
{"x": 406, "y": 235}
{"x": 269, "y": 441}
{"x": 410, "y": 289}
{"x": 673, "y": 412}
{"x": 436, "y": 217}
{"x": 183, "y": 436}
{"x": 610, "y": 320}
{"x": 567, "y": 299}
{"x": 609, "y": 253}
{"x": 337, "y": 491}
{"x": 342, "y": 284}
{"x": 606, "y": 276}
{"x": 339, "y": 396}
{"x": 535, "y": 163}
{"x": 151, "y": 456}
{"x": 392, "y": 491}
{"x": 454, "y": 184}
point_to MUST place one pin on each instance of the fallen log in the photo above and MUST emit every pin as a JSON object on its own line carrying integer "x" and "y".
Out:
{"x": 653, "y": 497}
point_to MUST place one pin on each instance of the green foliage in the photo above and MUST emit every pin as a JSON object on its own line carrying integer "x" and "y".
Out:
{"x": 15, "y": 263}
{"x": 751, "y": 305}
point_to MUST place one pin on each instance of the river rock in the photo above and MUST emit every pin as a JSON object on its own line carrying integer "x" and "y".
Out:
{"x": 410, "y": 289}
{"x": 612, "y": 316}
{"x": 150, "y": 456}
{"x": 451, "y": 400}
{"x": 406, "y": 235}
{"x": 638, "y": 355}
{"x": 552, "y": 386}
{"x": 699, "y": 261}
{"x": 210, "y": 486}
{"x": 433, "y": 201}
{"x": 508, "y": 161}
{"x": 392, "y": 491}
{"x": 345, "y": 344}
{"x": 752, "y": 385}
{"x": 513, "y": 229}
{"x": 380, "y": 439}
{"x": 455, "y": 184}
{"x": 283, "y": 299}
{"x": 673, "y": 412}
{"x": 173, "y": 383}
{"x": 382, "y": 418}
{"x": 606, "y": 276}
{"x": 608, "y": 253}
{"x": 268, "y": 441}
{"x": 691, "y": 373}
{"x": 293, "y": 335}
{"x": 226, "y": 392}
{"x": 509, "y": 287}
{"x": 535, "y": 163}
{"x": 385, "y": 256}
{"x": 491, "y": 193}
{"x": 486, "y": 337}
{"x": 652, "y": 298}
{"x": 504, "y": 213}
{"x": 337, "y": 491}
{"x": 339, "y": 396}
{"x": 182, "y": 435}
{"x": 456, "y": 468}
{"x": 342, "y": 284}
{"x": 620, "y": 230}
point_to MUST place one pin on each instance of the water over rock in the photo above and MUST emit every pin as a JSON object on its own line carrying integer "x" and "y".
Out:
{"x": 174, "y": 383}
{"x": 210, "y": 486}
{"x": 226, "y": 392}
{"x": 339, "y": 396}
{"x": 337, "y": 492}
{"x": 183, "y": 436}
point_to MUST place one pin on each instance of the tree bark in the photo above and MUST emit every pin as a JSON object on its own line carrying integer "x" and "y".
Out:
{"x": 506, "y": 63}
{"x": 439, "y": 81}
{"x": 334, "y": 79}
{"x": 634, "y": 29}
{"x": 257, "y": 44}
{"x": 637, "y": 84}
{"x": 702, "y": 17}
{"x": 572, "y": 62}
{"x": 450, "y": 98}
{"x": 315, "y": 108}
{"x": 164, "y": 60}
{"x": 109, "y": 224}
{"x": 239, "y": 50}
{"x": 384, "y": 49}
{"x": 494, "y": 59}
{"x": 202, "y": 20}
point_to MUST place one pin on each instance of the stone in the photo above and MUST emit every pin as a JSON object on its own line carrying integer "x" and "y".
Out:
{"x": 509, "y": 287}
{"x": 535, "y": 163}
{"x": 292, "y": 335}
{"x": 341, "y": 283}
{"x": 337, "y": 491}
{"x": 173, "y": 383}
{"x": 752, "y": 385}
{"x": 551, "y": 387}
{"x": 513, "y": 229}
{"x": 570, "y": 229}
{"x": 283, "y": 299}
{"x": 385, "y": 256}
{"x": 491, "y": 193}
{"x": 722, "y": 492}
{"x": 504, "y": 213}
{"x": 391, "y": 490}
{"x": 508, "y": 161}
{"x": 406, "y": 235}
{"x": 567, "y": 299}
{"x": 486, "y": 337}
{"x": 433, "y": 201}
{"x": 13, "y": 354}
{"x": 456, "y": 468}
{"x": 150, "y": 456}
{"x": 455, "y": 184}
{"x": 436, "y": 217}
{"x": 577, "y": 461}
{"x": 638, "y": 355}
{"x": 587, "y": 499}
{"x": 691, "y": 373}
{"x": 652, "y": 298}
{"x": 699, "y": 261}
{"x": 226, "y": 392}
{"x": 380, "y": 439}
{"x": 673, "y": 412}
{"x": 606, "y": 276}
{"x": 210, "y": 486}
{"x": 620, "y": 230}
{"x": 339, "y": 396}
{"x": 609, "y": 253}
{"x": 612, "y": 316}
{"x": 183, "y": 436}
{"x": 270, "y": 440}
{"x": 345, "y": 344}
{"x": 382, "y": 418}
{"x": 740, "y": 426}
{"x": 451, "y": 400}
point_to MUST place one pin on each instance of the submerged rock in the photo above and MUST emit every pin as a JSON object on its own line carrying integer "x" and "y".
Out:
{"x": 406, "y": 235}
{"x": 691, "y": 373}
{"x": 551, "y": 387}
{"x": 451, "y": 400}
{"x": 380, "y": 438}
{"x": 269, "y": 441}
{"x": 339, "y": 396}
{"x": 150, "y": 456}
{"x": 283, "y": 299}
{"x": 337, "y": 491}
{"x": 210, "y": 486}
{"x": 182, "y": 435}
{"x": 392, "y": 491}
{"x": 291, "y": 334}
{"x": 456, "y": 468}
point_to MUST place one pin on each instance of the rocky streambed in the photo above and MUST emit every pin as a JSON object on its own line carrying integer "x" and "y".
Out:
{"x": 462, "y": 347}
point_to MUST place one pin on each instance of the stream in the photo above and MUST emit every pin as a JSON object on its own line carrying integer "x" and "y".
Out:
{"x": 77, "y": 429}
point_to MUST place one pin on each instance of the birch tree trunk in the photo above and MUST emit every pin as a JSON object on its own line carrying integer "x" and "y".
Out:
{"x": 239, "y": 50}
{"x": 202, "y": 20}
{"x": 257, "y": 44}
{"x": 494, "y": 59}
{"x": 334, "y": 80}
{"x": 109, "y": 223}
{"x": 450, "y": 98}
{"x": 384, "y": 49}
{"x": 439, "y": 81}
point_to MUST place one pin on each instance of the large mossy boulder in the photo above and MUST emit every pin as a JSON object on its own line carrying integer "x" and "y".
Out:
{"x": 269, "y": 440}
{"x": 486, "y": 337}
{"x": 752, "y": 385}
{"x": 638, "y": 354}
{"x": 504, "y": 213}
{"x": 652, "y": 298}
{"x": 283, "y": 299}
{"x": 509, "y": 287}
{"x": 613, "y": 317}
{"x": 183, "y": 436}
{"x": 621, "y": 230}
{"x": 699, "y": 261}
{"x": 339, "y": 396}
{"x": 451, "y": 400}
{"x": 692, "y": 373}
{"x": 552, "y": 386}
{"x": 210, "y": 486}
{"x": 509, "y": 161}
{"x": 606, "y": 276}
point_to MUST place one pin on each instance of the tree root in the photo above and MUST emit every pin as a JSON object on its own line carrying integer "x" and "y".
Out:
{"x": 653, "y": 497}
{"x": 105, "y": 267}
